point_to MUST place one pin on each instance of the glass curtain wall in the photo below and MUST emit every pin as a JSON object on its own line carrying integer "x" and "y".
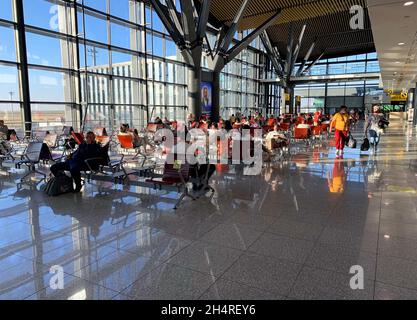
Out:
{"x": 108, "y": 61}
{"x": 239, "y": 81}
{"x": 10, "y": 95}
{"x": 332, "y": 95}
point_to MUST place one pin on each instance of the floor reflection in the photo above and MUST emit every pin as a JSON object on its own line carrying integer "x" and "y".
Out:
{"x": 299, "y": 217}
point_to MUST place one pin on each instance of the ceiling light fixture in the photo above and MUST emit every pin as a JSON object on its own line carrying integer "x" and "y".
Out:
{"x": 408, "y": 3}
{"x": 401, "y": 43}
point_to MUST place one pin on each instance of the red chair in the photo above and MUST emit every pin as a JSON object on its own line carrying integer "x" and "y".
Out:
{"x": 324, "y": 127}
{"x": 126, "y": 141}
{"x": 302, "y": 133}
{"x": 174, "y": 175}
{"x": 285, "y": 126}
{"x": 271, "y": 122}
{"x": 317, "y": 132}
{"x": 78, "y": 137}
{"x": 267, "y": 129}
{"x": 103, "y": 140}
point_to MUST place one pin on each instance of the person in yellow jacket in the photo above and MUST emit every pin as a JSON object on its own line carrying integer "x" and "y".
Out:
{"x": 340, "y": 123}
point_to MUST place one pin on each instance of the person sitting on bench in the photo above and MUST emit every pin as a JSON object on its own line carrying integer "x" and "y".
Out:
{"x": 76, "y": 163}
{"x": 4, "y": 130}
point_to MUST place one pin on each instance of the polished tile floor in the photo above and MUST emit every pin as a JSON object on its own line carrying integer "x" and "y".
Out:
{"x": 292, "y": 232}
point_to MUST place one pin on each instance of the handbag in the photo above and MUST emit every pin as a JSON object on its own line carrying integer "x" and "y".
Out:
{"x": 365, "y": 145}
{"x": 352, "y": 143}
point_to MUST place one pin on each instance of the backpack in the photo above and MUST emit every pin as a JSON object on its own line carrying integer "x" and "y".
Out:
{"x": 365, "y": 145}
{"x": 59, "y": 185}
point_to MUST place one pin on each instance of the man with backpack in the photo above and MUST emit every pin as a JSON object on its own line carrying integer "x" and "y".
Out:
{"x": 76, "y": 163}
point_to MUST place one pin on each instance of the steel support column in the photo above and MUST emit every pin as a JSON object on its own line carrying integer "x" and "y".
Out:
{"x": 415, "y": 107}
{"x": 216, "y": 97}
{"x": 194, "y": 87}
{"x": 23, "y": 68}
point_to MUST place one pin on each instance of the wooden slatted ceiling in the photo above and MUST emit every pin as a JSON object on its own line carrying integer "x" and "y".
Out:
{"x": 332, "y": 31}
{"x": 293, "y": 10}
{"x": 328, "y": 20}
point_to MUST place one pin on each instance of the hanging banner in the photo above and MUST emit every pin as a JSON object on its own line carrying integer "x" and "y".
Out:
{"x": 206, "y": 98}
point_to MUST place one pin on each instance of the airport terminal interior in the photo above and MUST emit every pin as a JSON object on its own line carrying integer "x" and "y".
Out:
{"x": 301, "y": 119}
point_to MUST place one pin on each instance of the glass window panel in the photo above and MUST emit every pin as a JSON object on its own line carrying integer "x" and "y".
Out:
{"x": 131, "y": 65}
{"x": 158, "y": 70}
{"x": 100, "y": 5}
{"x": 355, "y": 89}
{"x": 159, "y": 94}
{"x": 302, "y": 91}
{"x": 172, "y": 52}
{"x": 156, "y": 22}
{"x": 47, "y": 15}
{"x": 158, "y": 46}
{"x": 150, "y": 69}
{"x": 96, "y": 28}
{"x": 9, "y": 83}
{"x": 171, "y": 72}
{"x": 318, "y": 70}
{"x": 12, "y": 115}
{"x": 127, "y": 91}
{"x": 57, "y": 55}
{"x": 354, "y": 102}
{"x": 317, "y": 91}
{"x": 98, "y": 88}
{"x": 124, "y": 37}
{"x": 97, "y": 58}
{"x": 46, "y": 115}
{"x": 373, "y": 66}
{"x": 334, "y": 103}
{"x": 7, "y": 44}
{"x": 98, "y": 116}
{"x": 6, "y": 11}
{"x": 50, "y": 86}
{"x": 355, "y": 67}
{"x": 338, "y": 68}
{"x": 336, "y": 89}
{"x": 124, "y": 9}
{"x": 170, "y": 95}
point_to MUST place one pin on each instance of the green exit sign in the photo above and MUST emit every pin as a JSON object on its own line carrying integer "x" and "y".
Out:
{"x": 393, "y": 108}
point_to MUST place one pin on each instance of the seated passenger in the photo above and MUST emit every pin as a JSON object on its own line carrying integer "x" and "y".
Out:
{"x": 276, "y": 134}
{"x": 228, "y": 126}
{"x": 124, "y": 128}
{"x": 5, "y": 147}
{"x": 76, "y": 162}
{"x": 4, "y": 130}
{"x": 303, "y": 126}
{"x": 136, "y": 139}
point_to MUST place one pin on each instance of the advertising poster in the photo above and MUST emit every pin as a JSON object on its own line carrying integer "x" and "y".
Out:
{"x": 206, "y": 98}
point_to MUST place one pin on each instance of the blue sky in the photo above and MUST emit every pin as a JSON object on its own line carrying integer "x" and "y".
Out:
{"x": 47, "y": 50}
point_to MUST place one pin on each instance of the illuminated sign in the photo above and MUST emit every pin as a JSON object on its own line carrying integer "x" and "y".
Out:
{"x": 393, "y": 108}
